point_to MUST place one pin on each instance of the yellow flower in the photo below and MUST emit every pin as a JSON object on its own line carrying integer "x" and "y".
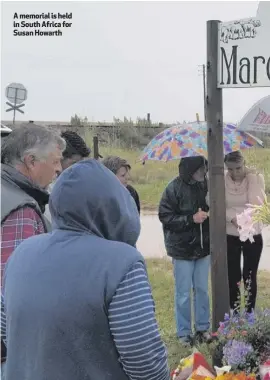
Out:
{"x": 186, "y": 362}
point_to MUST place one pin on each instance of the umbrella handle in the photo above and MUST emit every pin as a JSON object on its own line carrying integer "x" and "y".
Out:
{"x": 201, "y": 232}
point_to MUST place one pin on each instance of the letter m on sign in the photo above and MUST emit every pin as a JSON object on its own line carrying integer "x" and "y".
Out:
{"x": 228, "y": 67}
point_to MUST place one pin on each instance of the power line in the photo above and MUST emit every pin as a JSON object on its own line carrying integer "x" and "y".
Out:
{"x": 203, "y": 73}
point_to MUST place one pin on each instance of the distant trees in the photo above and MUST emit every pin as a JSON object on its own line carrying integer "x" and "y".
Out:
{"x": 78, "y": 121}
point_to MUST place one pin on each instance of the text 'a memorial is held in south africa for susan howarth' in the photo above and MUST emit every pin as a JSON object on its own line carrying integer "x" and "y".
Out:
{"x": 41, "y": 24}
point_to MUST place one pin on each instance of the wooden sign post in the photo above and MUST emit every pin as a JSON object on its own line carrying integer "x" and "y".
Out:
{"x": 238, "y": 55}
{"x": 218, "y": 242}
{"x": 95, "y": 148}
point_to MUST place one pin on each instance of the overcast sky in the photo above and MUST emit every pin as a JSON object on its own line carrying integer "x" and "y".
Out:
{"x": 119, "y": 59}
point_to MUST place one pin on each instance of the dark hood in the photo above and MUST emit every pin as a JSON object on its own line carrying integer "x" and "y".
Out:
{"x": 88, "y": 197}
{"x": 189, "y": 165}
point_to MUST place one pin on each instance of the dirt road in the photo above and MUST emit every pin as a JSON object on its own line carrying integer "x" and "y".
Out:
{"x": 151, "y": 243}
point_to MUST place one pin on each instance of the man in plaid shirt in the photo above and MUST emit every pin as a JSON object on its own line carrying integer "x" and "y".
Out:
{"x": 24, "y": 222}
{"x": 31, "y": 158}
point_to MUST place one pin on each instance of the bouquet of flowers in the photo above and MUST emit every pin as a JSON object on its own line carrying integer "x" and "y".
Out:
{"x": 195, "y": 367}
{"x": 252, "y": 215}
{"x": 243, "y": 341}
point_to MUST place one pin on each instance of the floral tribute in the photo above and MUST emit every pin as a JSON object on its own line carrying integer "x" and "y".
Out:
{"x": 243, "y": 341}
{"x": 195, "y": 367}
{"x": 252, "y": 215}
{"x": 241, "y": 347}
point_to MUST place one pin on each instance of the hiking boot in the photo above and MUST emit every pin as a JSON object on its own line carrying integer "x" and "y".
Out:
{"x": 203, "y": 337}
{"x": 186, "y": 340}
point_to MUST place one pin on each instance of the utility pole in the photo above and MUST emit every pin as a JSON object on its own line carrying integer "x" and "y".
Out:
{"x": 218, "y": 240}
{"x": 204, "y": 91}
{"x": 203, "y": 73}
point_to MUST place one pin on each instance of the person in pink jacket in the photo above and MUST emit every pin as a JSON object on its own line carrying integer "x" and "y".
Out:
{"x": 243, "y": 186}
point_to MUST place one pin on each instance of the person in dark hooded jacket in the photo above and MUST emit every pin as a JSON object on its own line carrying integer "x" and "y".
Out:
{"x": 183, "y": 212}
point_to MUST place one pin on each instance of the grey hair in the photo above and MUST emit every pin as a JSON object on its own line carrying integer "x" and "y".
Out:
{"x": 114, "y": 163}
{"x": 30, "y": 139}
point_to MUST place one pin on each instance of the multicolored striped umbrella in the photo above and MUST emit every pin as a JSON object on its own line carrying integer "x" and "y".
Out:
{"x": 187, "y": 140}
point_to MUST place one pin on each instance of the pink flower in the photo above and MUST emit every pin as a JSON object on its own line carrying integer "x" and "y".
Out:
{"x": 246, "y": 225}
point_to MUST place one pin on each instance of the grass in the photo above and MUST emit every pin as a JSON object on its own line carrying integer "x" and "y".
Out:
{"x": 151, "y": 179}
{"x": 161, "y": 278}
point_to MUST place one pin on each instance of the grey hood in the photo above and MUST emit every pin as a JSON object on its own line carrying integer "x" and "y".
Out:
{"x": 88, "y": 198}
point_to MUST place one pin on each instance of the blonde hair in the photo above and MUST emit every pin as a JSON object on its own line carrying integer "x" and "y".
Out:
{"x": 235, "y": 157}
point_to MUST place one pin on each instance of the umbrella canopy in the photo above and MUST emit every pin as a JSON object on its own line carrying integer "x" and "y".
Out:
{"x": 257, "y": 119}
{"x": 187, "y": 140}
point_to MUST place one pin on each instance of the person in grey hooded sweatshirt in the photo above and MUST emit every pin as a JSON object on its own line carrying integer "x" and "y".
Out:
{"x": 78, "y": 300}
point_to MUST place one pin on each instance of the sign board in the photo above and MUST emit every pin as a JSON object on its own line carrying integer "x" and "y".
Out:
{"x": 16, "y": 93}
{"x": 244, "y": 51}
{"x": 257, "y": 119}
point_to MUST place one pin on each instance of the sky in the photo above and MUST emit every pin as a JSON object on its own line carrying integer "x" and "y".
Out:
{"x": 118, "y": 59}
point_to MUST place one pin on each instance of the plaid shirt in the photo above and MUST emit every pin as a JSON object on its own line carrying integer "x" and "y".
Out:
{"x": 19, "y": 225}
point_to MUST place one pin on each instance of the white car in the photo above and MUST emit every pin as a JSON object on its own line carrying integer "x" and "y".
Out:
{"x": 5, "y": 131}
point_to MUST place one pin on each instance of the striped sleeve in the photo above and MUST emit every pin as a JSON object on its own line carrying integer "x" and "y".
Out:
{"x": 3, "y": 321}
{"x": 3, "y": 332}
{"x": 134, "y": 328}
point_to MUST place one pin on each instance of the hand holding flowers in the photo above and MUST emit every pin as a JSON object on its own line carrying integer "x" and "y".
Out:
{"x": 253, "y": 214}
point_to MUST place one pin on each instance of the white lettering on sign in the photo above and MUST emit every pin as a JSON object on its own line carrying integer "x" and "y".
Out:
{"x": 244, "y": 51}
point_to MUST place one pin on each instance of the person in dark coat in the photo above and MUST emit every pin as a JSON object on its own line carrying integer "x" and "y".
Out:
{"x": 76, "y": 149}
{"x": 121, "y": 168}
{"x": 183, "y": 212}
